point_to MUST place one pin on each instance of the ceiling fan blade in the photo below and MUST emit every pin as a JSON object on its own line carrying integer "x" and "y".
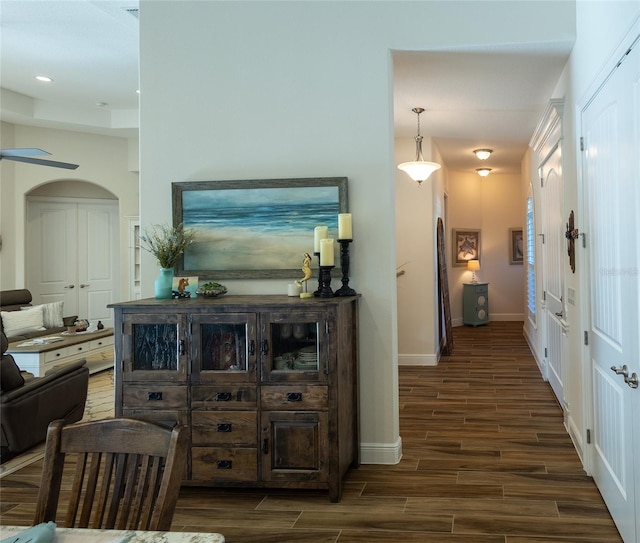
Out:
{"x": 41, "y": 162}
{"x": 31, "y": 151}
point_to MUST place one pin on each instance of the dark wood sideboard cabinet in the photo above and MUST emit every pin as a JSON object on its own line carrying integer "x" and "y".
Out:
{"x": 268, "y": 385}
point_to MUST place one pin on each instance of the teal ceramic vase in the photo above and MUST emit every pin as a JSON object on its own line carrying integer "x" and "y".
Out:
{"x": 163, "y": 284}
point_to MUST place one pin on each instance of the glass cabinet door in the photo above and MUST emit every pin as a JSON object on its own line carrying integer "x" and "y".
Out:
{"x": 294, "y": 347}
{"x": 154, "y": 347}
{"x": 223, "y": 348}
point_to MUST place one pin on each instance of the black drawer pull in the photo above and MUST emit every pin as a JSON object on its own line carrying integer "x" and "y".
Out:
{"x": 224, "y": 427}
{"x": 154, "y": 396}
{"x": 252, "y": 347}
{"x": 224, "y": 464}
{"x": 265, "y": 446}
{"x": 294, "y": 396}
{"x": 223, "y": 396}
{"x": 264, "y": 347}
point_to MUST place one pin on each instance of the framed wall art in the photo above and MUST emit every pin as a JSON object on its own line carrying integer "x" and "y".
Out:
{"x": 255, "y": 229}
{"x": 516, "y": 246}
{"x": 466, "y": 246}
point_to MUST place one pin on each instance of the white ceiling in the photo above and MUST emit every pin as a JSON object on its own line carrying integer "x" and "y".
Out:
{"x": 490, "y": 97}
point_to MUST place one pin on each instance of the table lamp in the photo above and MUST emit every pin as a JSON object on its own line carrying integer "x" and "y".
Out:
{"x": 474, "y": 266}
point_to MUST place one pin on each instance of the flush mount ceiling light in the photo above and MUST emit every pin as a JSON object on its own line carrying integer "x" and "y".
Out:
{"x": 483, "y": 154}
{"x": 419, "y": 170}
{"x": 43, "y": 78}
{"x": 483, "y": 172}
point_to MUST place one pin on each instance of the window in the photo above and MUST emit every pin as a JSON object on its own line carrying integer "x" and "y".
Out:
{"x": 531, "y": 259}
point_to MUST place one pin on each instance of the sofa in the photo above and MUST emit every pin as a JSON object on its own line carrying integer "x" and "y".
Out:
{"x": 32, "y": 320}
{"x": 27, "y": 406}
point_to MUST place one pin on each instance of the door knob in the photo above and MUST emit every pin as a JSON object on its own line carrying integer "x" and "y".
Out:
{"x": 624, "y": 371}
{"x": 84, "y": 285}
{"x": 559, "y": 314}
{"x": 632, "y": 381}
{"x": 70, "y": 286}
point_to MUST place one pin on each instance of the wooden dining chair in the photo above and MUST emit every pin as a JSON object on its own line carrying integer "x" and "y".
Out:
{"x": 126, "y": 476}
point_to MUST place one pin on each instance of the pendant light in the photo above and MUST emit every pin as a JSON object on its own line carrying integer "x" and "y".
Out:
{"x": 419, "y": 170}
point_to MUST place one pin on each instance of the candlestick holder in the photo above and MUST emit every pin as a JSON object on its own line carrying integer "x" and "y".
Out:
{"x": 345, "y": 289}
{"x": 325, "y": 279}
{"x": 319, "y": 289}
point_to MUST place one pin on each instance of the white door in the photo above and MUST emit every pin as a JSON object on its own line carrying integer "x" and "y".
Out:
{"x": 611, "y": 166}
{"x": 553, "y": 259}
{"x": 73, "y": 256}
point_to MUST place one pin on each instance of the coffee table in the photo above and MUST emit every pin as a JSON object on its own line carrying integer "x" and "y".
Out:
{"x": 37, "y": 358}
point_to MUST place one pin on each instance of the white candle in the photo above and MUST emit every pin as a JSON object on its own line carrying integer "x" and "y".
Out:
{"x": 344, "y": 226}
{"x": 326, "y": 252}
{"x": 319, "y": 232}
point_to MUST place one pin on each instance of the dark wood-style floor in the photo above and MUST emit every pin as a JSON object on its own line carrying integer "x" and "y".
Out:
{"x": 486, "y": 459}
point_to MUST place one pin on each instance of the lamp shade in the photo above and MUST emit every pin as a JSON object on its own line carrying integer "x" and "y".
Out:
{"x": 419, "y": 170}
{"x": 473, "y": 265}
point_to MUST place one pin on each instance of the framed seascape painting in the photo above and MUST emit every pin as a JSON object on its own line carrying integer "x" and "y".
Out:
{"x": 466, "y": 246}
{"x": 255, "y": 229}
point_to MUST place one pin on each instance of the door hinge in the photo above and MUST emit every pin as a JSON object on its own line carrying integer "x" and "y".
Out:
{"x": 542, "y": 182}
{"x": 581, "y": 143}
{"x": 588, "y": 436}
{"x": 545, "y": 352}
{"x": 584, "y": 240}
{"x": 544, "y": 295}
{"x": 586, "y": 337}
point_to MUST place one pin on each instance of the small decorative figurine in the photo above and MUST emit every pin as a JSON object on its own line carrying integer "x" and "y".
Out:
{"x": 306, "y": 270}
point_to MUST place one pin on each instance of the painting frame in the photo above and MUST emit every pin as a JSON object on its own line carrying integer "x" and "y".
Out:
{"x": 466, "y": 246}
{"x": 516, "y": 246}
{"x": 298, "y": 211}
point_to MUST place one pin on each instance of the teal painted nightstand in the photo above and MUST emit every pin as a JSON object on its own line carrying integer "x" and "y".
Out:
{"x": 475, "y": 303}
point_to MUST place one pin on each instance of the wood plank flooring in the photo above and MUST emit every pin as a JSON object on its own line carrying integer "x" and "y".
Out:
{"x": 486, "y": 459}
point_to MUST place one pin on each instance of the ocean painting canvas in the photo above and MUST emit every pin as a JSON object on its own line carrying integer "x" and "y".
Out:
{"x": 258, "y": 228}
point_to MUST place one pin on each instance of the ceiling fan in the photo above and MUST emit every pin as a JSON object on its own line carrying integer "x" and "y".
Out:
{"x": 27, "y": 155}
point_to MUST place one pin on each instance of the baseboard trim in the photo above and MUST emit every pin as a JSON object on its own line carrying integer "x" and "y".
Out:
{"x": 542, "y": 366}
{"x": 417, "y": 360}
{"x": 381, "y": 453}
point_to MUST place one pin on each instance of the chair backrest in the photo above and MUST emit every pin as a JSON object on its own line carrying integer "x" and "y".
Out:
{"x": 127, "y": 474}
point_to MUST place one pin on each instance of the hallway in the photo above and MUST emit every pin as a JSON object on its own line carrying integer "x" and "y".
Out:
{"x": 486, "y": 460}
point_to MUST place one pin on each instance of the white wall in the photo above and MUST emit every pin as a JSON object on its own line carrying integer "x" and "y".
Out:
{"x": 103, "y": 162}
{"x": 492, "y": 205}
{"x": 590, "y": 60}
{"x": 243, "y": 90}
{"x": 417, "y": 210}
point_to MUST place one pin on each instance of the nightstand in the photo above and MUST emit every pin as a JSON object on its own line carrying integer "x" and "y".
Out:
{"x": 475, "y": 304}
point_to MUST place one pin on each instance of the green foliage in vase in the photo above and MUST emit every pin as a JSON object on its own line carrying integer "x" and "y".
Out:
{"x": 167, "y": 243}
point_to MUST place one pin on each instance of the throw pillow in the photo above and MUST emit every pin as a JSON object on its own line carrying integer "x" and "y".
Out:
{"x": 51, "y": 314}
{"x": 10, "y": 376}
{"x": 21, "y": 322}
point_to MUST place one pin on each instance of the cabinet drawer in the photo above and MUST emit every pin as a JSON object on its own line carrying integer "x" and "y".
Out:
{"x": 58, "y": 354}
{"x": 223, "y": 397}
{"x": 154, "y": 396}
{"x": 224, "y": 464}
{"x": 224, "y": 428}
{"x": 293, "y": 397}
{"x": 101, "y": 343}
{"x": 164, "y": 417}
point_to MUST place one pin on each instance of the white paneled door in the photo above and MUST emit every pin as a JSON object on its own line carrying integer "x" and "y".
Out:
{"x": 611, "y": 169}
{"x": 553, "y": 251}
{"x": 72, "y": 255}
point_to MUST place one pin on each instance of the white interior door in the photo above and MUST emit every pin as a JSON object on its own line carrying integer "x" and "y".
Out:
{"x": 611, "y": 166}
{"x": 73, "y": 255}
{"x": 553, "y": 251}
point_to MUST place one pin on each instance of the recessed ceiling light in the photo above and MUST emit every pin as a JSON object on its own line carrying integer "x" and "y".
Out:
{"x": 44, "y": 78}
{"x": 101, "y": 104}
